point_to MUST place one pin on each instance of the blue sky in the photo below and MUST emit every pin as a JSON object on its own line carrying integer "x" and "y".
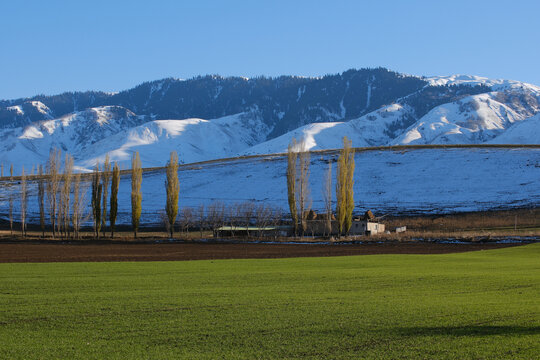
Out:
{"x": 55, "y": 46}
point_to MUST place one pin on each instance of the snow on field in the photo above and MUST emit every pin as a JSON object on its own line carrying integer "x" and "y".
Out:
{"x": 396, "y": 182}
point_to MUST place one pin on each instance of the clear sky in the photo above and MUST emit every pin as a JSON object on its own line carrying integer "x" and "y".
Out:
{"x": 55, "y": 46}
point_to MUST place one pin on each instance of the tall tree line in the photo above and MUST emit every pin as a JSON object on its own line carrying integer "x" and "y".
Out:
{"x": 298, "y": 191}
{"x": 136, "y": 193}
{"x": 61, "y": 196}
{"x": 344, "y": 187}
{"x": 172, "y": 187}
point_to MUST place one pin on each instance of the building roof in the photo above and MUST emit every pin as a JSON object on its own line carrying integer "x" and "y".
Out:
{"x": 244, "y": 228}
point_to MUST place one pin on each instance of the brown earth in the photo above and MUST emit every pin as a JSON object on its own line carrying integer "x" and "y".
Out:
{"x": 51, "y": 252}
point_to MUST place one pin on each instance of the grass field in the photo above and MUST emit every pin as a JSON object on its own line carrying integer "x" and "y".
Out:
{"x": 477, "y": 305}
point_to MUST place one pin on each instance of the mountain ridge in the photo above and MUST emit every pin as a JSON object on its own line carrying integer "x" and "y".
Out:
{"x": 373, "y": 107}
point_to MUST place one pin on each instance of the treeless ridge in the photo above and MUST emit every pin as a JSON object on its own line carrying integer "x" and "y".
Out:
{"x": 61, "y": 252}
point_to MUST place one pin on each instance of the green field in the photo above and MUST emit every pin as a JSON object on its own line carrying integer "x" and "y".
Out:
{"x": 479, "y": 305}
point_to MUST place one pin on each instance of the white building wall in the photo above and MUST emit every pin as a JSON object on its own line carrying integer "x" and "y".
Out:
{"x": 360, "y": 228}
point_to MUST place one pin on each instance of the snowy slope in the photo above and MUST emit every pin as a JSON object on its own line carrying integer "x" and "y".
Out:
{"x": 525, "y": 132}
{"x": 369, "y": 130}
{"x": 72, "y": 133}
{"x": 29, "y": 107}
{"x": 472, "y": 80}
{"x": 91, "y": 134}
{"x": 473, "y": 120}
{"x": 411, "y": 181}
{"x": 193, "y": 139}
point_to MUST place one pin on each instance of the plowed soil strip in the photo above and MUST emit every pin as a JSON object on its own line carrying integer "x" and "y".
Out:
{"x": 25, "y": 252}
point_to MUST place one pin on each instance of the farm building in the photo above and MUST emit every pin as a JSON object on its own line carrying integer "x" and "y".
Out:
{"x": 366, "y": 227}
{"x": 316, "y": 225}
{"x": 368, "y": 224}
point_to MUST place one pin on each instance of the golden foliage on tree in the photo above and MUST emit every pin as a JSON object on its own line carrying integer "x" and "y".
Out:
{"x": 344, "y": 187}
{"x": 173, "y": 188}
{"x": 136, "y": 194}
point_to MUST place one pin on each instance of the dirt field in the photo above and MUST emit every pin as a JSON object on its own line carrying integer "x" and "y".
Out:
{"x": 47, "y": 252}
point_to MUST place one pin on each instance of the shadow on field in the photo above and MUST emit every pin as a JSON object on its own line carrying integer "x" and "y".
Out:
{"x": 468, "y": 330}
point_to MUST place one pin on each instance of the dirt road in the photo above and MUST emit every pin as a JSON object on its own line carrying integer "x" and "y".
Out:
{"x": 50, "y": 252}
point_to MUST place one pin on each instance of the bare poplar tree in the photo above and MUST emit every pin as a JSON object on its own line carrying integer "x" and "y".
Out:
{"x": 246, "y": 213}
{"x": 216, "y": 214}
{"x": 327, "y": 196}
{"x": 136, "y": 195}
{"x": 186, "y": 218}
{"x": 77, "y": 206}
{"x": 10, "y": 199}
{"x": 212, "y": 215}
{"x": 172, "y": 187}
{"x": 291, "y": 183}
{"x": 41, "y": 199}
{"x": 65, "y": 194}
{"x": 106, "y": 179}
{"x": 114, "y": 197}
{"x": 97, "y": 188}
{"x": 52, "y": 184}
{"x": 80, "y": 214}
{"x": 201, "y": 218}
{"x": 2, "y": 170}
{"x": 221, "y": 214}
{"x": 24, "y": 202}
{"x": 303, "y": 197}
{"x": 277, "y": 216}
{"x": 344, "y": 187}
{"x": 60, "y": 205}
{"x": 234, "y": 216}
{"x": 263, "y": 217}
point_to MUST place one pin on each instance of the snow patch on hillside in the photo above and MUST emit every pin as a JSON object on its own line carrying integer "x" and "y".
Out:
{"x": 472, "y": 80}
{"x": 42, "y": 108}
{"x": 17, "y": 109}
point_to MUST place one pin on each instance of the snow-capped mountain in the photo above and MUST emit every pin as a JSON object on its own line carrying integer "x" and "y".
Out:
{"x": 499, "y": 117}
{"x": 193, "y": 139}
{"x": 285, "y": 102}
{"x": 73, "y": 133}
{"x": 213, "y": 117}
{"x": 474, "y": 120}
{"x": 92, "y": 134}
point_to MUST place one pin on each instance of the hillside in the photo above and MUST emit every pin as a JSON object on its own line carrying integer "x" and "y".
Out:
{"x": 403, "y": 181}
{"x": 214, "y": 117}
